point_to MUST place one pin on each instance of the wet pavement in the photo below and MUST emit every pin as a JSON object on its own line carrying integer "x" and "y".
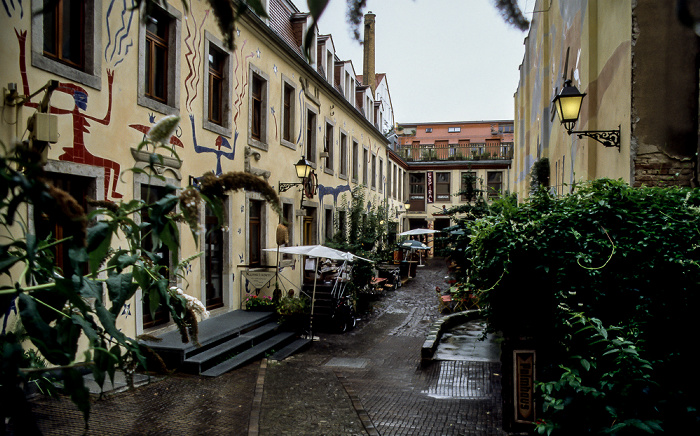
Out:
{"x": 365, "y": 382}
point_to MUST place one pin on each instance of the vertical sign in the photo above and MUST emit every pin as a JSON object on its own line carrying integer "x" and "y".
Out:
{"x": 524, "y": 373}
{"x": 430, "y": 186}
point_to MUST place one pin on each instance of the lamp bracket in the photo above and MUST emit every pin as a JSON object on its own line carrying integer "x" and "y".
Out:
{"x": 284, "y": 187}
{"x": 609, "y": 138}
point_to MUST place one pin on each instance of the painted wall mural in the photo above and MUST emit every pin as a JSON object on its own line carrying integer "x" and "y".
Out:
{"x": 78, "y": 152}
{"x": 228, "y": 152}
{"x": 335, "y": 191}
{"x": 120, "y": 16}
{"x": 193, "y": 57}
{"x": 13, "y": 7}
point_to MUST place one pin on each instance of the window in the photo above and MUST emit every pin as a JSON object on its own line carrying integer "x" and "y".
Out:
{"x": 152, "y": 194}
{"x": 288, "y": 213}
{"x": 328, "y": 146}
{"x": 159, "y": 64}
{"x": 64, "y": 40}
{"x": 454, "y": 129}
{"x": 213, "y": 260}
{"x": 374, "y": 171}
{"x": 389, "y": 178}
{"x": 157, "y": 56}
{"x": 342, "y": 223}
{"x": 288, "y": 92}
{"x": 254, "y": 233}
{"x": 256, "y": 93}
{"x": 494, "y": 183}
{"x": 257, "y": 109}
{"x": 343, "y": 155}
{"x": 64, "y": 31}
{"x": 381, "y": 175}
{"x": 311, "y": 136}
{"x": 329, "y": 224}
{"x": 217, "y": 115}
{"x": 355, "y": 160}
{"x": 417, "y": 191}
{"x": 393, "y": 180}
{"x": 48, "y": 229}
{"x": 442, "y": 186}
{"x": 365, "y": 163}
{"x": 216, "y": 85}
{"x": 468, "y": 186}
{"x": 429, "y": 130}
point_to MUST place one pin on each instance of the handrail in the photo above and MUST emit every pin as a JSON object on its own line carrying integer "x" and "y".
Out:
{"x": 474, "y": 151}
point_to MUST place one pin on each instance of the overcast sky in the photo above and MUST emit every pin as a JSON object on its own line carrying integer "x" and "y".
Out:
{"x": 446, "y": 60}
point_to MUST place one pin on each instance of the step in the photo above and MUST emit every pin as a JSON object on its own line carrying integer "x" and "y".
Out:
{"x": 290, "y": 349}
{"x": 249, "y": 355}
{"x": 198, "y": 362}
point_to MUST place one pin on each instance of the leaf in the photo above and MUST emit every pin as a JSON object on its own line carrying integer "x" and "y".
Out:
{"x": 99, "y": 240}
{"x": 120, "y": 288}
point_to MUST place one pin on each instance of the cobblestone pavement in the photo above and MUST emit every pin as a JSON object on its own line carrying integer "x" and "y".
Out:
{"x": 365, "y": 382}
{"x": 378, "y": 365}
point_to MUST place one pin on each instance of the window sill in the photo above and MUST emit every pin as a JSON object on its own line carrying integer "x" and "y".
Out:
{"x": 260, "y": 145}
{"x": 157, "y": 106}
{"x": 217, "y": 128}
{"x": 328, "y": 171}
{"x": 288, "y": 144}
{"x": 42, "y": 62}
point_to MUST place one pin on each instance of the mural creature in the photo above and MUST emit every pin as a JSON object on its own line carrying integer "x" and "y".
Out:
{"x": 220, "y": 142}
{"x": 78, "y": 153}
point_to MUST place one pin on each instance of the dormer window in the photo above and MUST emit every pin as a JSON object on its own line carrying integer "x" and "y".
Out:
{"x": 454, "y": 129}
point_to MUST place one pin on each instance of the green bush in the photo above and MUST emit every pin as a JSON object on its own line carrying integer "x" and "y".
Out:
{"x": 625, "y": 261}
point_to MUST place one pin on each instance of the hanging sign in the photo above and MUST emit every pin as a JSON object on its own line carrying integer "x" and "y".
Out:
{"x": 257, "y": 279}
{"x": 430, "y": 187}
{"x": 524, "y": 386}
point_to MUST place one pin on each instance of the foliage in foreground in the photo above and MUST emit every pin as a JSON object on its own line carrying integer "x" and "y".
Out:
{"x": 53, "y": 310}
{"x": 605, "y": 282}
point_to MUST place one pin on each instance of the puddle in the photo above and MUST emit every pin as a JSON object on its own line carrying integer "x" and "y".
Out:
{"x": 462, "y": 342}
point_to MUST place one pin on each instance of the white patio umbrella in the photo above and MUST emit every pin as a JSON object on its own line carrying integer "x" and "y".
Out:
{"x": 317, "y": 251}
{"x": 418, "y": 232}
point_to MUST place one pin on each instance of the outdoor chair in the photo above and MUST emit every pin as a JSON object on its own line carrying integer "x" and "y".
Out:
{"x": 445, "y": 302}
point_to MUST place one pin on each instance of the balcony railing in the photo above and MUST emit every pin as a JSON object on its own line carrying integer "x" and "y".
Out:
{"x": 474, "y": 151}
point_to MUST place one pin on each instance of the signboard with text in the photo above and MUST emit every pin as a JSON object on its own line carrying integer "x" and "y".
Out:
{"x": 524, "y": 385}
{"x": 256, "y": 279}
{"x": 430, "y": 187}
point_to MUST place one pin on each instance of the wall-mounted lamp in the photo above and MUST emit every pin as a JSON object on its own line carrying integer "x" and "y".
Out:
{"x": 568, "y": 104}
{"x": 308, "y": 183}
{"x": 407, "y": 204}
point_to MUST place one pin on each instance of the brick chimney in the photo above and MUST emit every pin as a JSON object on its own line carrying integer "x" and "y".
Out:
{"x": 368, "y": 69}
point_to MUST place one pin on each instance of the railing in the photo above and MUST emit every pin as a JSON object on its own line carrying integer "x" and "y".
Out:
{"x": 474, "y": 151}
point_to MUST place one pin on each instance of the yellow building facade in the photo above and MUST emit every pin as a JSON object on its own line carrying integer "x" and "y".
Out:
{"x": 635, "y": 63}
{"x": 257, "y": 108}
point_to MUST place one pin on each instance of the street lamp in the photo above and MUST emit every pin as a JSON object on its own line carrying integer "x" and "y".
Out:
{"x": 308, "y": 182}
{"x": 568, "y": 105}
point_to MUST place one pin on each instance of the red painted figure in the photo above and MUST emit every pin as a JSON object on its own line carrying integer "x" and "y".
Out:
{"x": 81, "y": 121}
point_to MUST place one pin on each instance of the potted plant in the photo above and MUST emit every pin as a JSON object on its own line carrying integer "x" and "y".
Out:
{"x": 259, "y": 303}
{"x": 293, "y": 312}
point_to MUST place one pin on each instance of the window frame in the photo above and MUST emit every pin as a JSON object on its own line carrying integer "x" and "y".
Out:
{"x": 438, "y": 183}
{"x": 311, "y": 135}
{"x": 343, "y": 150}
{"x": 329, "y": 146}
{"x": 365, "y": 168}
{"x": 171, "y": 105}
{"x": 260, "y": 142}
{"x": 90, "y": 73}
{"x": 493, "y": 193}
{"x": 287, "y": 117}
{"x": 224, "y": 128}
{"x": 355, "y": 160}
